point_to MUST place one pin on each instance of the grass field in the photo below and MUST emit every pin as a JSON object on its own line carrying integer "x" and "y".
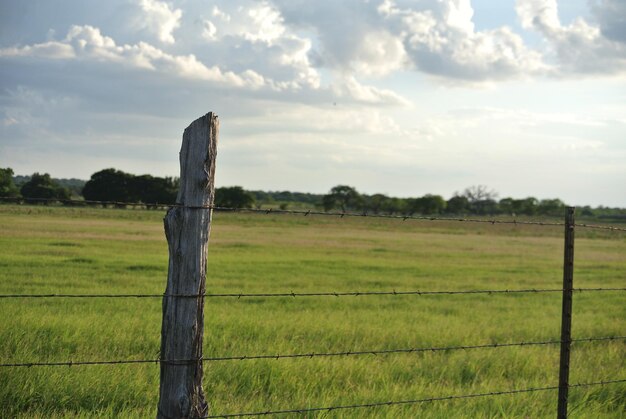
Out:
{"x": 57, "y": 250}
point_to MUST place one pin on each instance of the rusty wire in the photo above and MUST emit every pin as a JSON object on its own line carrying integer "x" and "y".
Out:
{"x": 157, "y": 205}
{"x": 407, "y": 402}
{"x": 309, "y": 355}
{"x": 272, "y": 211}
{"x": 313, "y": 294}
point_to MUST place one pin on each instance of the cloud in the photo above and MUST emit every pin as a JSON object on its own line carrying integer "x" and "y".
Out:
{"x": 86, "y": 43}
{"x": 611, "y": 17}
{"x": 442, "y": 41}
{"x": 437, "y": 37}
{"x": 580, "y": 48}
{"x": 350, "y": 87}
{"x": 51, "y": 50}
{"x": 160, "y": 18}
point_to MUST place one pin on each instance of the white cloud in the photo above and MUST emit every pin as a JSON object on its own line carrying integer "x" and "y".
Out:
{"x": 580, "y": 47}
{"x": 442, "y": 41}
{"x": 437, "y": 37}
{"x": 350, "y": 87}
{"x": 379, "y": 54}
{"x": 161, "y": 19}
{"x": 266, "y": 24}
{"x": 209, "y": 31}
{"x": 87, "y": 43}
{"x": 219, "y": 13}
{"x": 52, "y": 50}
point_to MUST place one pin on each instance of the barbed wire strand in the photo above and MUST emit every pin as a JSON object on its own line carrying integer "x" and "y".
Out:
{"x": 408, "y": 402}
{"x": 600, "y": 227}
{"x": 313, "y": 294}
{"x": 157, "y": 205}
{"x": 310, "y": 355}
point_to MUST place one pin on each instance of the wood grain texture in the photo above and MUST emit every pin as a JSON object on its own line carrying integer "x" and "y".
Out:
{"x": 187, "y": 231}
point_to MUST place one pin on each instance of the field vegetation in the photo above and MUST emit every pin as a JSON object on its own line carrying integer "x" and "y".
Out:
{"x": 85, "y": 250}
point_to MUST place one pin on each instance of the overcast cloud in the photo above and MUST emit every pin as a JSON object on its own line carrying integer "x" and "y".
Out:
{"x": 400, "y": 97}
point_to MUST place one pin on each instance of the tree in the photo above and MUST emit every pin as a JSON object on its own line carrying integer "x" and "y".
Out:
{"x": 109, "y": 185}
{"x": 528, "y": 206}
{"x": 479, "y": 193}
{"x": 481, "y": 200}
{"x": 153, "y": 190}
{"x": 551, "y": 207}
{"x": 7, "y": 186}
{"x": 457, "y": 205}
{"x": 343, "y": 197}
{"x": 43, "y": 187}
{"x": 427, "y": 205}
{"x": 233, "y": 197}
{"x": 374, "y": 203}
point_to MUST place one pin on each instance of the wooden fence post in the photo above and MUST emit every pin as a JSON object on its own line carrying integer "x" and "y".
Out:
{"x": 566, "y": 314}
{"x": 187, "y": 231}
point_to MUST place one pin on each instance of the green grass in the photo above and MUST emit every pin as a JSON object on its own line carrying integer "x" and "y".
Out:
{"x": 82, "y": 250}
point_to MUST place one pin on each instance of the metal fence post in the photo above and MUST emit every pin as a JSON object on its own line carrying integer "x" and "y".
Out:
{"x": 566, "y": 314}
{"x": 187, "y": 228}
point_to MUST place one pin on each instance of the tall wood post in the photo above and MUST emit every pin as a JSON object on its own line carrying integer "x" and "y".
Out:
{"x": 187, "y": 228}
{"x": 566, "y": 314}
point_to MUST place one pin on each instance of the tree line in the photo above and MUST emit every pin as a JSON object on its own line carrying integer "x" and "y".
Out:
{"x": 116, "y": 185}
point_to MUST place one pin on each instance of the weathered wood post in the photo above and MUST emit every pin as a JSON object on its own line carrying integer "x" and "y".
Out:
{"x": 187, "y": 228}
{"x": 566, "y": 315}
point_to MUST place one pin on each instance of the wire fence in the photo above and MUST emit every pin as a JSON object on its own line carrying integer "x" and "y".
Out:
{"x": 315, "y": 294}
{"x": 308, "y": 355}
{"x": 335, "y": 214}
{"x": 343, "y": 353}
{"x": 408, "y": 402}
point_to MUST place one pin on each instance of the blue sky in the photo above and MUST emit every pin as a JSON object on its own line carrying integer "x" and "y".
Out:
{"x": 404, "y": 97}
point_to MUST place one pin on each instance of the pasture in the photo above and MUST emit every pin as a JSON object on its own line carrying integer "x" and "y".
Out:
{"x": 86, "y": 250}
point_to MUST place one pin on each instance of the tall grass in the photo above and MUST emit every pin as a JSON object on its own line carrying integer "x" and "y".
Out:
{"x": 81, "y": 250}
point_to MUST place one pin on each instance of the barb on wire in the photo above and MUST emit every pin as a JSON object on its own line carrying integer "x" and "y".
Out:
{"x": 408, "y": 402}
{"x": 279, "y": 211}
{"x": 407, "y": 350}
{"x": 157, "y": 205}
{"x": 310, "y": 355}
{"x": 600, "y": 227}
{"x": 102, "y": 295}
{"x": 313, "y": 294}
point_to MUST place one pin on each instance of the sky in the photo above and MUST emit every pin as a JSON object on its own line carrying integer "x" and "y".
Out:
{"x": 402, "y": 97}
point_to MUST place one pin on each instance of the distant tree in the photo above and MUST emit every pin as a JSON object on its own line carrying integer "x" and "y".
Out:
{"x": 457, "y": 205}
{"x": 109, "y": 185}
{"x": 587, "y": 211}
{"x": 374, "y": 203}
{"x": 481, "y": 199}
{"x": 75, "y": 186}
{"x": 427, "y": 205}
{"x": 7, "y": 186}
{"x": 394, "y": 206}
{"x": 343, "y": 197}
{"x": 550, "y": 207}
{"x": 506, "y": 206}
{"x": 42, "y": 186}
{"x": 153, "y": 190}
{"x": 528, "y": 206}
{"x": 233, "y": 197}
{"x": 479, "y": 193}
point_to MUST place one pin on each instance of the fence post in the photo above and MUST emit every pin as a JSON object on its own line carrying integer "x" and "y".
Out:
{"x": 566, "y": 314}
{"x": 187, "y": 231}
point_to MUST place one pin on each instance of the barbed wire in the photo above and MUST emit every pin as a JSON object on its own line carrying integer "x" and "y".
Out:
{"x": 408, "y": 402}
{"x": 277, "y": 211}
{"x": 493, "y": 221}
{"x": 310, "y": 355}
{"x": 600, "y": 227}
{"x": 314, "y": 294}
